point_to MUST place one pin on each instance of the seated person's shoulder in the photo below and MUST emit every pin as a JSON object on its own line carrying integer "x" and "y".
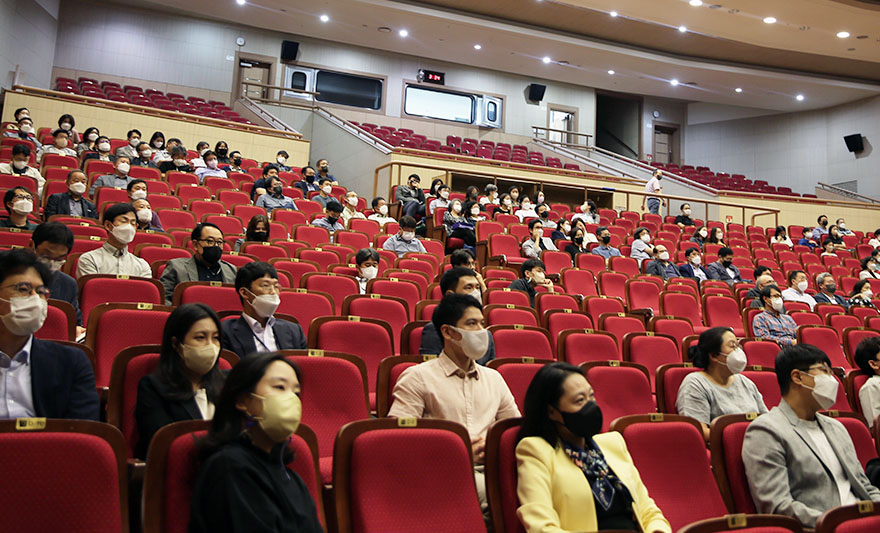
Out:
{"x": 65, "y": 354}
{"x": 610, "y": 440}
{"x": 535, "y": 446}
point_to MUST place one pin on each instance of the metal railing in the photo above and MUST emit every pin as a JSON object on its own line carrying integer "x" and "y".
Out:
{"x": 567, "y": 134}
{"x": 846, "y": 192}
{"x": 265, "y": 115}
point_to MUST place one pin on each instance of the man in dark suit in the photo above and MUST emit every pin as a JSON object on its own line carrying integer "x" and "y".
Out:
{"x": 52, "y": 242}
{"x": 724, "y": 269}
{"x": 661, "y": 265}
{"x": 257, "y": 329}
{"x": 205, "y": 265}
{"x": 827, "y": 289}
{"x": 72, "y": 202}
{"x": 42, "y": 379}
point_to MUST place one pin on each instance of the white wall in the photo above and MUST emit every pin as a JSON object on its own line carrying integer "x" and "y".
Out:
{"x": 794, "y": 149}
{"x": 672, "y": 112}
{"x": 27, "y": 39}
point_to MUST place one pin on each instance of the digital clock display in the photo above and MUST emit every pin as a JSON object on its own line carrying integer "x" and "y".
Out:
{"x": 432, "y": 76}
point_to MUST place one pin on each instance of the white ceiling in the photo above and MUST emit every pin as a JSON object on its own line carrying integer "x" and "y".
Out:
{"x": 449, "y": 35}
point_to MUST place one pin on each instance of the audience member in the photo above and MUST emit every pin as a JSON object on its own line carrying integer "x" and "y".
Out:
{"x": 605, "y": 249}
{"x": 324, "y": 171}
{"x": 40, "y": 378}
{"x": 130, "y": 150}
{"x": 435, "y": 388}
{"x": 205, "y": 264}
{"x": 505, "y": 206}
{"x": 719, "y": 388}
{"x": 781, "y": 237}
{"x": 145, "y": 157}
{"x": 331, "y": 222}
{"x": 119, "y": 179}
{"x": 177, "y": 163}
{"x": 147, "y": 219}
{"x": 234, "y": 165}
{"x": 862, "y": 295}
{"x": 797, "y": 287}
{"x": 324, "y": 196}
{"x": 699, "y": 237}
{"x": 442, "y": 200}
{"x": 307, "y": 183}
{"x": 274, "y": 197}
{"x": 243, "y": 482}
{"x": 533, "y": 276}
{"x": 281, "y": 158}
{"x": 466, "y": 258}
{"x": 160, "y": 150}
{"x": 543, "y": 211}
{"x": 52, "y": 243}
{"x": 457, "y": 280}
{"x": 472, "y": 194}
{"x": 405, "y": 239}
{"x": 841, "y": 227}
{"x": 187, "y": 381}
{"x": 827, "y": 291}
{"x": 835, "y": 238}
{"x": 61, "y": 145}
{"x": 411, "y": 196}
{"x": 202, "y": 148}
{"x": 807, "y": 239}
{"x": 869, "y": 394}
{"x": 350, "y": 209}
{"x": 536, "y": 243}
{"x": 563, "y": 231}
{"x": 641, "y": 249}
{"x": 491, "y": 194}
{"x": 515, "y": 192}
{"x": 716, "y": 236}
{"x": 653, "y": 187}
{"x": 828, "y": 248}
{"x": 589, "y": 213}
{"x": 380, "y": 211}
{"x": 764, "y": 280}
{"x": 692, "y": 268}
{"x": 773, "y": 324}
{"x": 257, "y": 329}
{"x": 578, "y": 245}
{"x": 820, "y": 231}
{"x": 67, "y": 123}
{"x": 457, "y": 225}
{"x": 870, "y": 268}
{"x": 261, "y": 185}
{"x": 875, "y": 241}
{"x": 25, "y": 132}
{"x": 367, "y": 263}
{"x": 19, "y": 204}
{"x": 661, "y": 265}
{"x": 684, "y": 219}
{"x": 526, "y": 209}
{"x": 211, "y": 168}
{"x": 798, "y": 462}
{"x": 72, "y": 202}
{"x": 724, "y": 269}
{"x": 120, "y": 221}
{"x": 222, "y": 151}
{"x": 258, "y": 230}
{"x": 88, "y": 142}
{"x": 19, "y": 166}
{"x": 571, "y": 477}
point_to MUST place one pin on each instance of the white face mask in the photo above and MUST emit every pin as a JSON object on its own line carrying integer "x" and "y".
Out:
{"x": 456, "y": 208}
{"x": 824, "y": 389}
{"x": 138, "y": 194}
{"x": 664, "y": 256}
{"x": 719, "y": 235}
{"x": 26, "y": 314}
{"x": 508, "y": 202}
{"x": 541, "y": 199}
{"x": 687, "y": 212}
{"x": 776, "y": 303}
{"x": 65, "y": 126}
{"x": 736, "y": 361}
{"x": 872, "y": 266}
{"x": 645, "y": 237}
{"x": 61, "y": 143}
{"x": 124, "y": 233}
{"x": 369, "y": 272}
{"x": 566, "y": 229}
{"x": 19, "y": 165}
{"x": 867, "y": 295}
{"x": 103, "y": 146}
{"x": 212, "y": 163}
{"x": 476, "y": 294}
{"x": 408, "y": 235}
{"x": 202, "y": 152}
{"x": 180, "y": 162}
{"x": 26, "y": 128}
{"x": 473, "y": 343}
{"x": 134, "y": 142}
{"x": 696, "y": 259}
{"x": 93, "y": 137}
{"x": 146, "y": 153}
{"x": 123, "y": 168}
{"x": 200, "y": 359}
{"x": 526, "y": 206}
{"x": 352, "y": 201}
{"x": 281, "y": 160}
{"x": 538, "y": 277}
{"x": 77, "y": 187}
{"x": 802, "y": 286}
{"x": 266, "y": 304}
{"x": 145, "y": 216}
{"x": 475, "y": 212}
{"x": 158, "y": 144}
{"x": 54, "y": 265}
{"x": 539, "y": 233}
{"x": 444, "y": 195}
{"x": 383, "y": 210}
{"x": 327, "y": 189}
{"x": 703, "y": 233}
{"x": 841, "y": 225}
{"x": 23, "y": 207}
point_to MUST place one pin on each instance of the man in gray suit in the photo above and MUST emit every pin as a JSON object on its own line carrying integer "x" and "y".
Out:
{"x": 257, "y": 329}
{"x": 661, "y": 265}
{"x": 800, "y": 463}
{"x": 205, "y": 265}
{"x": 724, "y": 269}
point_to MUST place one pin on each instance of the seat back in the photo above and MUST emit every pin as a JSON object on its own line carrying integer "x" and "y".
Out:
{"x": 392, "y": 310}
{"x": 859, "y": 434}
{"x": 405, "y": 290}
{"x": 518, "y": 374}
{"x": 510, "y": 314}
{"x": 760, "y": 352}
{"x": 596, "y": 306}
{"x": 613, "y": 284}
{"x": 336, "y": 285}
{"x": 506, "y": 296}
{"x": 641, "y": 294}
{"x": 682, "y": 305}
{"x": 577, "y": 346}
{"x": 390, "y": 370}
{"x": 669, "y": 379}
{"x": 557, "y": 320}
{"x": 546, "y": 301}
{"x": 578, "y": 281}
{"x": 826, "y": 339}
{"x": 765, "y": 380}
{"x": 723, "y": 311}
{"x": 650, "y": 350}
{"x": 95, "y": 289}
{"x": 726, "y": 442}
{"x": 852, "y": 336}
{"x": 501, "y": 475}
{"x": 619, "y": 324}
{"x": 521, "y": 341}
{"x": 856, "y": 518}
{"x": 621, "y": 388}
{"x": 676, "y": 327}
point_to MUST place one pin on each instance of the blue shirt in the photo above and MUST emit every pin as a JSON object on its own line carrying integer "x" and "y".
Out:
{"x": 399, "y": 246}
{"x": 271, "y": 202}
{"x": 606, "y": 251}
{"x": 16, "y": 395}
{"x": 324, "y": 223}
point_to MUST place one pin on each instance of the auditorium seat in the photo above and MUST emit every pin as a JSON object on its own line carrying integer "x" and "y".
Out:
{"x": 501, "y": 475}
{"x": 518, "y": 373}
{"x": 621, "y": 388}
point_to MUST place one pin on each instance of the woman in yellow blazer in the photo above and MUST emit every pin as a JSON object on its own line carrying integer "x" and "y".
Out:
{"x": 571, "y": 478}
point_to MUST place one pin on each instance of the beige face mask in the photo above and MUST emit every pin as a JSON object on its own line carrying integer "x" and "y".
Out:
{"x": 282, "y": 414}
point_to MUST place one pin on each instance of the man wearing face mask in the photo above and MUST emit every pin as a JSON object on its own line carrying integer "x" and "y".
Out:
{"x": 605, "y": 249}
{"x": 796, "y": 291}
{"x": 661, "y": 265}
{"x": 144, "y": 157}
{"x": 764, "y": 280}
{"x": 234, "y": 164}
{"x": 828, "y": 291}
{"x": 25, "y": 132}
{"x": 533, "y": 276}
{"x": 773, "y": 324}
{"x": 130, "y": 150}
{"x": 72, "y": 202}
{"x": 724, "y": 269}
{"x": 325, "y": 195}
{"x": 684, "y": 219}
{"x": 257, "y": 329}
{"x": 19, "y": 204}
{"x": 274, "y": 198}
{"x": 692, "y": 268}
{"x": 119, "y": 180}
{"x": 120, "y": 221}
{"x": 202, "y": 148}
{"x": 41, "y": 378}
{"x": 820, "y": 232}
{"x": 457, "y": 280}
{"x": 205, "y": 264}
{"x": 380, "y": 211}
{"x": 801, "y": 463}
{"x": 412, "y": 196}
{"x": 19, "y": 166}
{"x": 60, "y": 146}
{"x": 281, "y": 158}
{"x": 324, "y": 171}
{"x": 405, "y": 240}
{"x": 452, "y": 387}
{"x": 537, "y": 243}
{"x": 350, "y": 210}
{"x": 101, "y": 153}
{"x": 308, "y": 183}
{"x": 52, "y": 243}
{"x": 333, "y": 221}
{"x": 367, "y": 262}
{"x": 147, "y": 218}
{"x": 177, "y": 162}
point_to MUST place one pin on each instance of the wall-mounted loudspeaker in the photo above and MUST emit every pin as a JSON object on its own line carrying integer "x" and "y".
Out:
{"x": 536, "y": 92}
{"x": 854, "y": 142}
{"x": 289, "y": 49}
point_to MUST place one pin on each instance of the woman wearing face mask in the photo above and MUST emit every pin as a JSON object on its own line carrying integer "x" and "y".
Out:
{"x": 211, "y": 168}
{"x": 472, "y": 194}
{"x": 526, "y": 209}
{"x": 491, "y": 194}
{"x": 157, "y": 144}
{"x": 781, "y": 237}
{"x": 243, "y": 483}
{"x": 716, "y": 236}
{"x": 367, "y": 261}
{"x": 257, "y": 231}
{"x": 186, "y": 384}
{"x": 177, "y": 162}
{"x": 222, "y": 151}
{"x": 861, "y": 295}
{"x": 442, "y": 199}
{"x": 88, "y": 141}
{"x": 870, "y": 268}
{"x": 700, "y": 236}
{"x": 562, "y": 230}
{"x": 694, "y": 266}
{"x": 578, "y": 244}
{"x": 515, "y": 193}
{"x": 571, "y": 476}
{"x": 505, "y": 205}
{"x": 588, "y": 212}
{"x": 435, "y": 183}
{"x": 718, "y": 388}
{"x": 835, "y": 238}
{"x": 67, "y": 123}
{"x": 458, "y": 225}
{"x": 641, "y": 249}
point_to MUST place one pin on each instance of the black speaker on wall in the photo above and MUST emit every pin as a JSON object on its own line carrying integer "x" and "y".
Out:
{"x": 289, "y": 49}
{"x": 536, "y": 92}
{"x": 854, "y": 142}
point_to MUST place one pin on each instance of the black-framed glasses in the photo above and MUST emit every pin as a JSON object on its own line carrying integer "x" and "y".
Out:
{"x": 211, "y": 242}
{"x": 24, "y": 289}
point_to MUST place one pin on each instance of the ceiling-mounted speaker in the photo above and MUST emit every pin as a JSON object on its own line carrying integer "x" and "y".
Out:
{"x": 536, "y": 92}
{"x": 289, "y": 49}
{"x": 854, "y": 142}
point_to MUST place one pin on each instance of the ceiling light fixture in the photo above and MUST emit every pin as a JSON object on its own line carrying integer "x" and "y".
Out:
{"x": 240, "y": 2}
{"x": 325, "y": 18}
{"x": 696, "y": 3}
{"x": 738, "y": 89}
{"x": 682, "y": 29}
{"x": 673, "y": 82}
{"x": 611, "y": 72}
{"x": 403, "y": 33}
{"x": 478, "y": 47}
{"x": 613, "y": 13}
{"x": 842, "y": 34}
{"x": 799, "y": 98}
{"x": 546, "y": 59}
{"x": 770, "y": 20}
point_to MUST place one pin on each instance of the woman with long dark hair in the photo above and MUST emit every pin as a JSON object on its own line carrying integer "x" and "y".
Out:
{"x": 571, "y": 476}
{"x": 187, "y": 382}
{"x": 243, "y": 483}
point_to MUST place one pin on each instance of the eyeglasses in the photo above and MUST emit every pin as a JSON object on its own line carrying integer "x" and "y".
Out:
{"x": 821, "y": 368}
{"x": 211, "y": 242}
{"x": 24, "y": 289}
{"x": 27, "y": 197}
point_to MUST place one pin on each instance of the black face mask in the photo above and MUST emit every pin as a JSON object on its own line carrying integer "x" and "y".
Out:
{"x": 222, "y": 151}
{"x": 260, "y": 236}
{"x": 325, "y": 168}
{"x": 586, "y": 422}
{"x": 545, "y": 214}
{"x": 212, "y": 254}
{"x": 578, "y": 240}
{"x": 237, "y": 161}
{"x": 606, "y": 239}
{"x": 823, "y": 223}
{"x": 332, "y": 220}
{"x": 277, "y": 189}
{"x": 831, "y": 288}
{"x": 726, "y": 264}
{"x": 310, "y": 179}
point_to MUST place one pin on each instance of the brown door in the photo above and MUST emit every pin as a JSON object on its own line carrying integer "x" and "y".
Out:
{"x": 254, "y": 72}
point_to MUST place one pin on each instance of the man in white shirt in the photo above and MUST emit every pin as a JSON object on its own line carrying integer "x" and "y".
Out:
{"x": 653, "y": 187}
{"x": 797, "y": 285}
{"x": 61, "y": 146}
{"x": 21, "y": 154}
{"x": 120, "y": 221}
{"x": 380, "y": 211}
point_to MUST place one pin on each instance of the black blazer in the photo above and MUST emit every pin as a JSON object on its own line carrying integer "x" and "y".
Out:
{"x": 155, "y": 410}
{"x": 239, "y": 338}
{"x": 62, "y": 382}
{"x": 59, "y": 204}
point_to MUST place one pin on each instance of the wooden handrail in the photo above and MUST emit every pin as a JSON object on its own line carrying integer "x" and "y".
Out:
{"x": 154, "y": 111}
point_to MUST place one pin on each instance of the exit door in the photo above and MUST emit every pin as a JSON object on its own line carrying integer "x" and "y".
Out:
{"x": 665, "y": 144}
{"x": 254, "y": 72}
{"x": 561, "y": 120}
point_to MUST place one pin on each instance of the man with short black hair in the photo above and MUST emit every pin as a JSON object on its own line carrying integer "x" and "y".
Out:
{"x": 325, "y": 186}
{"x": 773, "y": 324}
{"x": 465, "y": 258}
{"x": 412, "y": 196}
{"x": 52, "y": 243}
{"x": 130, "y": 150}
{"x": 798, "y": 462}
{"x": 281, "y": 158}
{"x": 684, "y": 219}
{"x": 307, "y": 183}
{"x": 177, "y": 162}
{"x": 119, "y": 179}
{"x": 605, "y": 249}
{"x": 405, "y": 239}
{"x": 19, "y": 204}
{"x": 537, "y": 242}
{"x": 532, "y": 276}
{"x": 257, "y": 329}
{"x": 724, "y": 269}
{"x": 205, "y": 264}
{"x": 61, "y": 145}
{"x": 144, "y": 156}
{"x": 457, "y": 280}
{"x": 380, "y": 211}
{"x": 21, "y": 156}
{"x": 39, "y": 378}
{"x": 324, "y": 171}
{"x": 797, "y": 287}
{"x": 333, "y": 221}
{"x": 120, "y": 221}
{"x": 828, "y": 291}
{"x": 72, "y": 202}
{"x": 261, "y": 186}
{"x": 821, "y": 230}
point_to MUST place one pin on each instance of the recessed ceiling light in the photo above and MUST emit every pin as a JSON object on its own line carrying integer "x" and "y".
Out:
{"x": 325, "y": 18}
{"x": 770, "y": 20}
{"x": 611, "y": 72}
{"x": 738, "y": 89}
{"x": 842, "y": 34}
{"x": 696, "y": 3}
{"x": 546, "y": 59}
{"x": 403, "y": 33}
{"x": 682, "y": 29}
{"x": 613, "y": 13}
{"x": 799, "y": 98}
{"x": 673, "y": 82}
{"x": 478, "y": 47}
{"x": 240, "y": 2}
{"x": 383, "y": 29}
